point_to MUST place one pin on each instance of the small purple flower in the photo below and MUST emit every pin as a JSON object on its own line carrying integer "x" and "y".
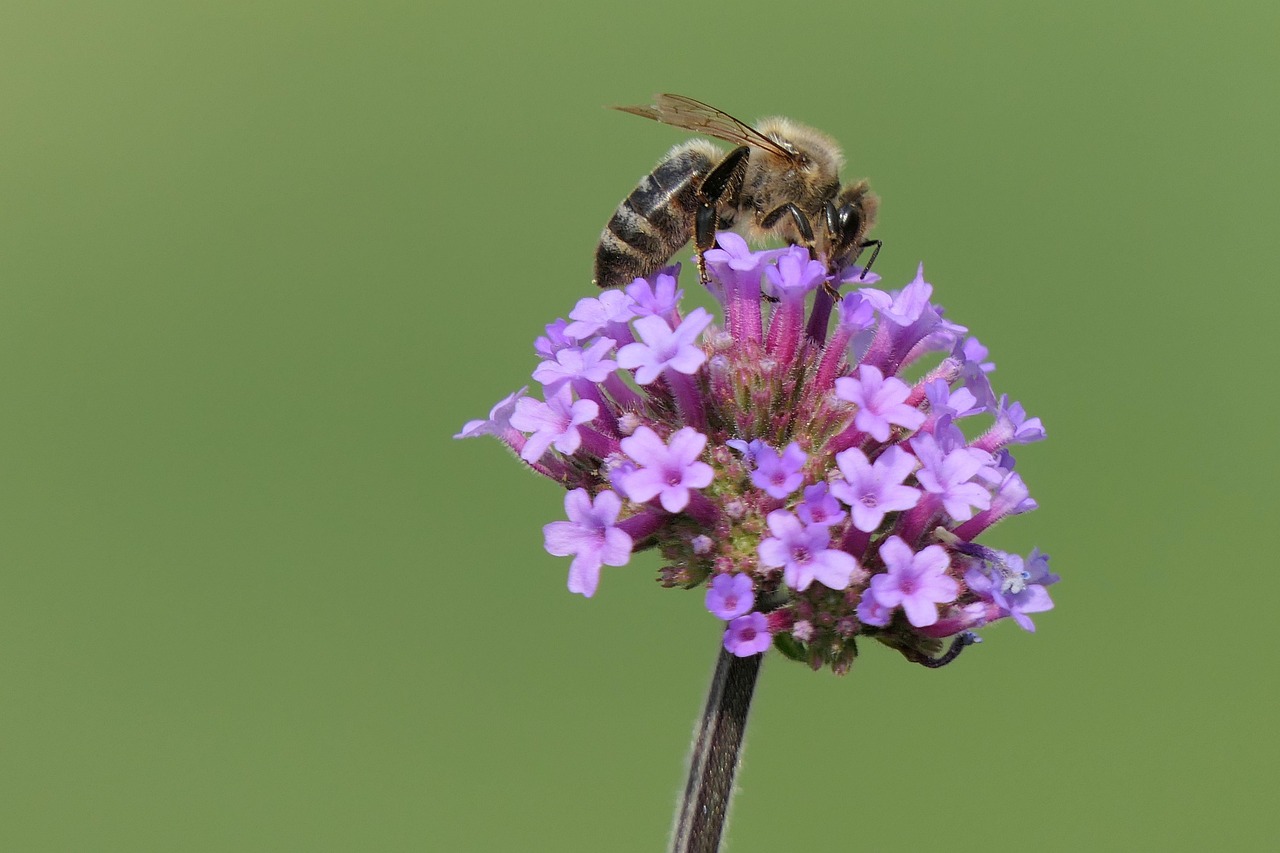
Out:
{"x": 802, "y": 554}
{"x": 779, "y": 474}
{"x": 749, "y": 449}
{"x": 499, "y": 418}
{"x": 730, "y": 596}
{"x": 950, "y": 476}
{"x": 668, "y": 471}
{"x": 971, "y": 351}
{"x": 872, "y": 612}
{"x": 658, "y": 298}
{"x": 907, "y": 305}
{"x": 663, "y": 348}
{"x": 554, "y": 422}
{"x": 554, "y": 340}
{"x": 819, "y": 507}
{"x": 748, "y": 635}
{"x": 959, "y": 403}
{"x": 795, "y": 274}
{"x": 733, "y": 259}
{"x": 973, "y": 371}
{"x": 880, "y": 402}
{"x": 913, "y": 325}
{"x": 591, "y": 536}
{"x": 916, "y": 582}
{"x": 870, "y": 490}
{"x": 856, "y": 313}
{"x": 1012, "y": 426}
{"x": 592, "y": 315}
{"x": 1008, "y": 582}
{"x": 574, "y": 362}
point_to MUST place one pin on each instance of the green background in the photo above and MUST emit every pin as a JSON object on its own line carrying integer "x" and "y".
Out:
{"x": 258, "y": 261}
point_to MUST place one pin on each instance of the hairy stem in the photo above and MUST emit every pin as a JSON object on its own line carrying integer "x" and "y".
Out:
{"x": 717, "y": 747}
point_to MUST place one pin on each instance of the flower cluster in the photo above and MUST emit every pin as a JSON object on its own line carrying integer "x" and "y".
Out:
{"x": 807, "y": 463}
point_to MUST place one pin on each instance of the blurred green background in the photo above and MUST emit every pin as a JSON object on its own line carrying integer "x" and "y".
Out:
{"x": 261, "y": 260}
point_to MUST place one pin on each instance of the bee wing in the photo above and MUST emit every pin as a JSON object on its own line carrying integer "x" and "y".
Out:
{"x": 679, "y": 111}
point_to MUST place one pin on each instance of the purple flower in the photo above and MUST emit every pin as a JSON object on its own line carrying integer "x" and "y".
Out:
{"x": 591, "y": 536}
{"x": 779, "y": 475}
{"x": 730, "y": 596}
{"x": 574, "y": 362}
{"x": 802, "y": 554}
{"x": 554, "y": 340}
{"x": 499, "y": 418}
{"x": 668, "y": 470}
{"x": 1016, "y": 587}
{"x": 748, "y": 635}
{"x": 872, "y": 612}
{"x": 661, "y": 347}
{"x": 658, "y": 298}
{"x": 870, "y": 490}
{"x": 880, "y": 402}
{"x": 959, "y": 403}
{"x": 610, "y": 310}
{"x": 795, "y": 274}
{"x": 733, "y": 259}
{"x": 950, "y": 476}
{"x": 819, "y": 507}
{"x": 973, "y": 371}
{"x": 554, "y": 422}
{"x": 913, "y": 325}
{"x": 749, "y": 449}
{"x": 907, "y": 305}
{"x": 916, "y": 582}
{"x": 1012, "y": 426}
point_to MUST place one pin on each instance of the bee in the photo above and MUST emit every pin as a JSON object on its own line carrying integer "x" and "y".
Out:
{"x": 780, "y": 179}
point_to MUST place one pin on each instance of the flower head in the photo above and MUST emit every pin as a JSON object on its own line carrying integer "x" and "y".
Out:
{"x": 787, "y": 459}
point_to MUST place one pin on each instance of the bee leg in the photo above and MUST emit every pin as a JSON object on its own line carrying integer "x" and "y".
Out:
{"x": 835, "y": 230}
{"x": 874, "y": 252}
{"x": 798, "y": 219}
{"x": 704, "y": 238}
{"x": 720, "y": 186}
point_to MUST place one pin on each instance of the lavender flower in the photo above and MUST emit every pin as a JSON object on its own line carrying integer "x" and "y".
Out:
{"x": 664, "y": 348}
{"x": 730, "y": 596}
{"x": 748, "y": 635}
{"x": 801, "y": 552}
{"x": 819, "y": 507}
{"x": 779, "y": 474}
{"x": 591, "y": 535}
{"x": 575, "y": 362}
{"x": 554, "y": 422}
{"x": 667, "y": 470}
{"x": 499, "y": 422}
{"x": 734, "y": 450}
{"x": 873, "y": 491}
{"x": 880, "y": 402}
{"x": 915, "y": 581}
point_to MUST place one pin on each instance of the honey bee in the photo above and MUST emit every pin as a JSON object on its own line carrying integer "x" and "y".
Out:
{"x": 780, "y": 179}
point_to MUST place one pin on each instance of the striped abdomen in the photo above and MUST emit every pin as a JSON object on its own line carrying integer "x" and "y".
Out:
{"x": 657, "y": 218}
